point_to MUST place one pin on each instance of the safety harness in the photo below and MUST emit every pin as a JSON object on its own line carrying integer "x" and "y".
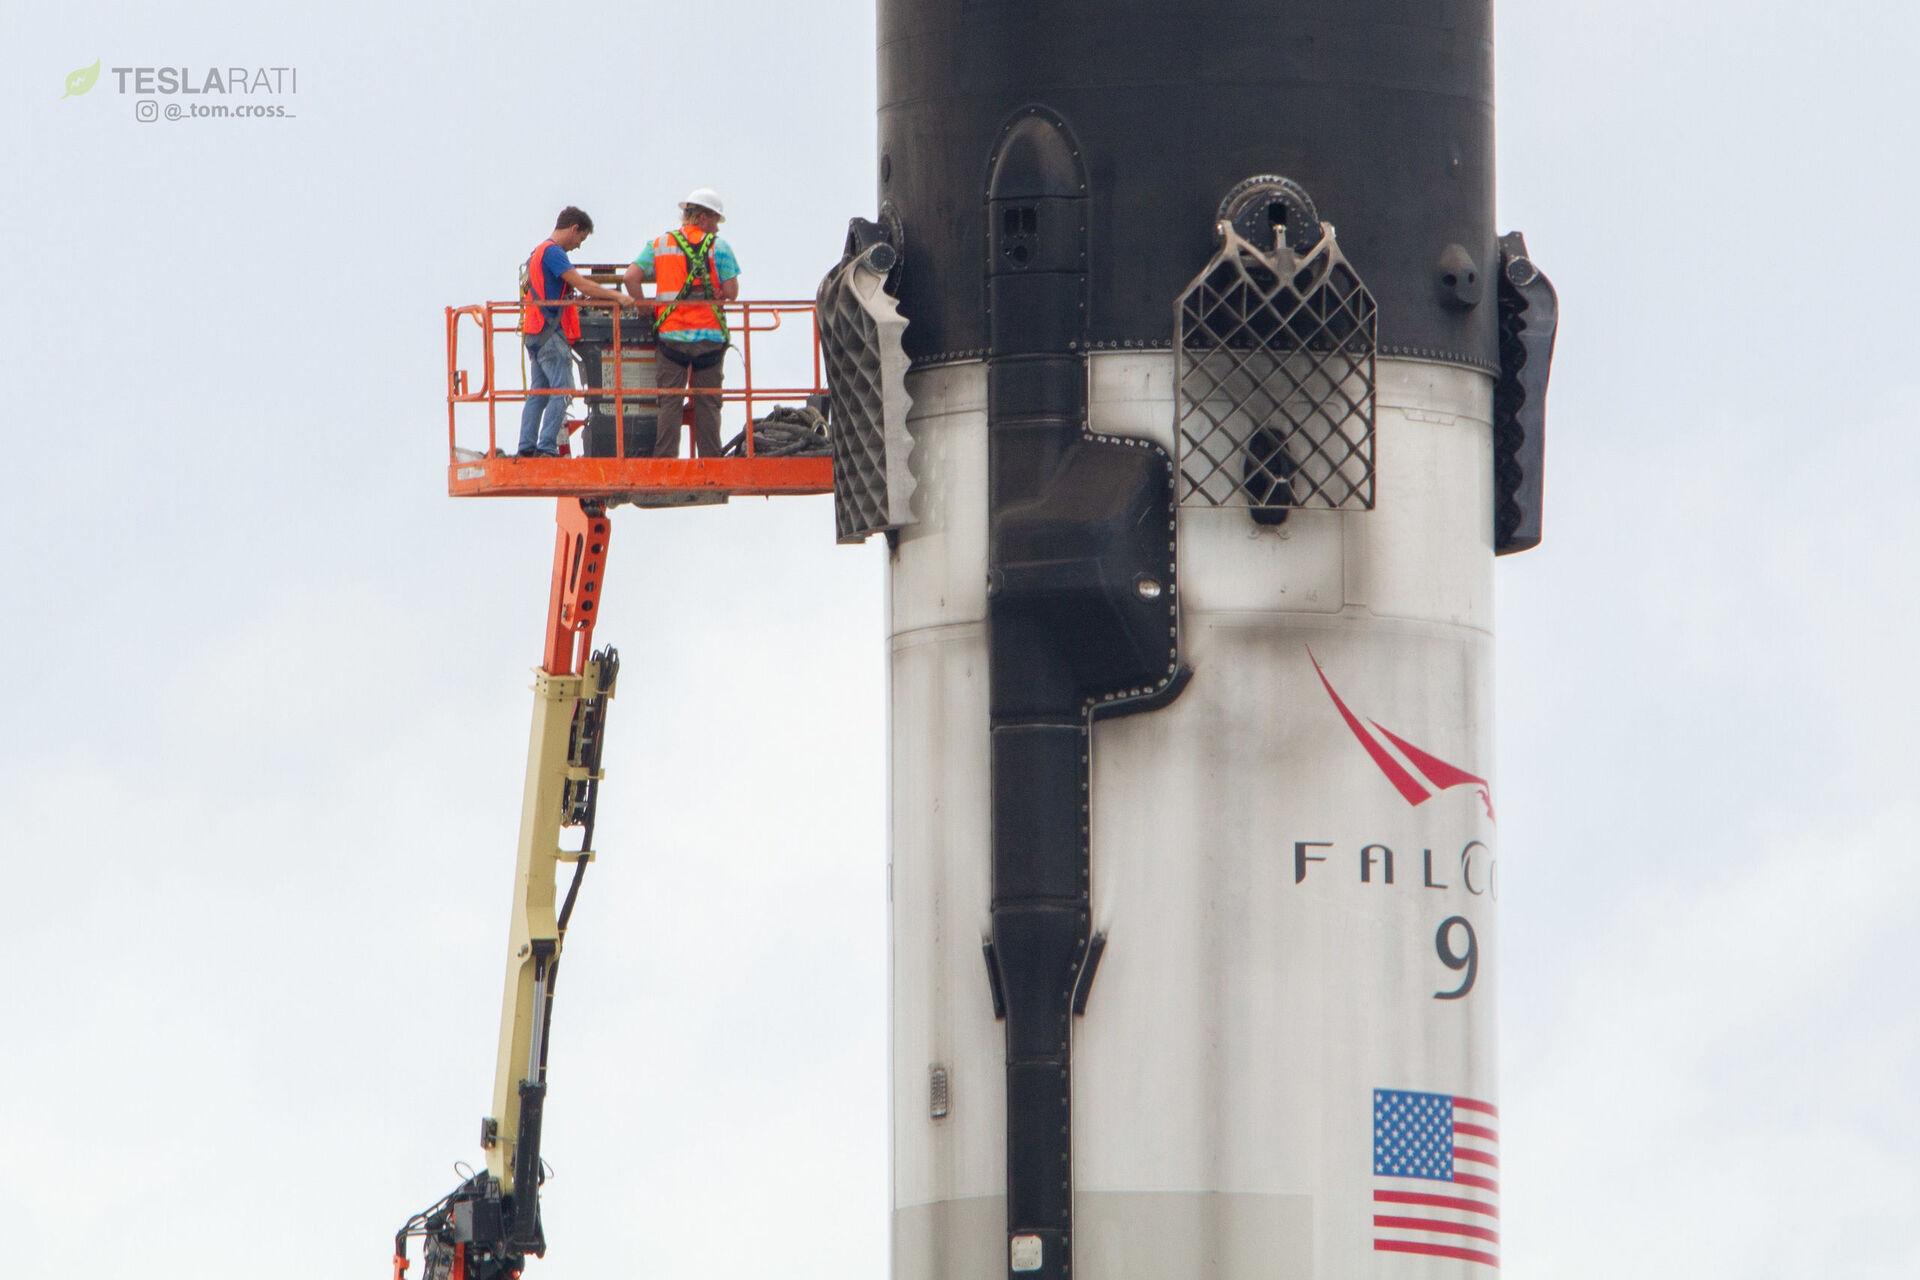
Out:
{"x": 703, "y": 275}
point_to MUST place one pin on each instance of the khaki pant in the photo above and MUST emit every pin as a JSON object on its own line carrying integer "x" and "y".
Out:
{"x": 672, "y": 369}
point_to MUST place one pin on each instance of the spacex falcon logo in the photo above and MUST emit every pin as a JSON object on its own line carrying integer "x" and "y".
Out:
{"x": 1437, "y": 772}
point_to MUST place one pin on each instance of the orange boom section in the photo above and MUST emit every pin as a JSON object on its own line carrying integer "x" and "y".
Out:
{"x": 775, "y": 364}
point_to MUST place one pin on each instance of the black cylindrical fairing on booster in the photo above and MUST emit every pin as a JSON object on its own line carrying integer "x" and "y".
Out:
{"x": 1382, "y": 109}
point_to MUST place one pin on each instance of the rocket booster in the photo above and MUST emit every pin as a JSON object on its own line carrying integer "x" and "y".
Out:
{"x": 1195, "y": 393}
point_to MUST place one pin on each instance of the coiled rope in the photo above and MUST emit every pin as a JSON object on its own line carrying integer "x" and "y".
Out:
{"x": 789, "y": 431}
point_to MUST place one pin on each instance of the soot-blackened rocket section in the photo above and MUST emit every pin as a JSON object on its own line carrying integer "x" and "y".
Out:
{"x": 1081, "y": 621}
{"x": 1383, "y": 109}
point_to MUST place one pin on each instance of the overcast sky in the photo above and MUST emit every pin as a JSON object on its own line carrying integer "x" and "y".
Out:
{"x": 262, "y": 745}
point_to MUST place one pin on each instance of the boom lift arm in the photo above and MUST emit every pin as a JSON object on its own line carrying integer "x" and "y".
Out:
{"x": 489, "y": 1225}
{"x": 485, "y": 1228}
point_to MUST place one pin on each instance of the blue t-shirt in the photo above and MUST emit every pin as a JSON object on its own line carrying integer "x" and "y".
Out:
{"x": 554, "y": 263}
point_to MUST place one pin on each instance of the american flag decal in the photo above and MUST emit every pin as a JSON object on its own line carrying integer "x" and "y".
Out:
{"x": 1436, "y": 1169}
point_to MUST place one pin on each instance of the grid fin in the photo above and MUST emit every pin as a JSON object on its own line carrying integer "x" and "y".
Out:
{"x": 1274, "y": 362}
{"x": 860, "y": 340}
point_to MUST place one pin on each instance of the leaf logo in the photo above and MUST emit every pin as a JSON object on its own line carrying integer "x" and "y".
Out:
{"x": 78, "y": 82}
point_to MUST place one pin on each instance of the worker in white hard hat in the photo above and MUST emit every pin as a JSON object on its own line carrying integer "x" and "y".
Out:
{"x": 692, "y": 269}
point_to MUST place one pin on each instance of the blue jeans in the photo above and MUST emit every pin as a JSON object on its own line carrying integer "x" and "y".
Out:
{"x": 552, "y": 361}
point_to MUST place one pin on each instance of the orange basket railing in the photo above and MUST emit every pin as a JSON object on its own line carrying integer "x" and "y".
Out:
{"x": 774, "y": 360}
{"x": 747, "y": 320}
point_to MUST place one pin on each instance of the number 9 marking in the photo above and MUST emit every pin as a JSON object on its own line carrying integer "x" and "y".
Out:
{"x": 1468, "y": 960}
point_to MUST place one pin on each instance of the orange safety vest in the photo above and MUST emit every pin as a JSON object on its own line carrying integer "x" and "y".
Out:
{"x": 670, "y": 276}
{"x": 532, "y": 319}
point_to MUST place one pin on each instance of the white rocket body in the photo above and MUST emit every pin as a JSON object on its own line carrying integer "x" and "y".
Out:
{"x": 1292, "y": 893}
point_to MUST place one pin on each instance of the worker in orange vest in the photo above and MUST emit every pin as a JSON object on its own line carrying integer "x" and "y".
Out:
{"x": 550, "y": 332}
{"x": 692, "y": 268}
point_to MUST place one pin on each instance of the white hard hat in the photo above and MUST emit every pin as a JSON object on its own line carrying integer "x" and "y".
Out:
{"x": 706, "y": 198}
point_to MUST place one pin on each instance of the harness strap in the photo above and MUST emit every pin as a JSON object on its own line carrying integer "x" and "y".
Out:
{"x": 702, "y": 273}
